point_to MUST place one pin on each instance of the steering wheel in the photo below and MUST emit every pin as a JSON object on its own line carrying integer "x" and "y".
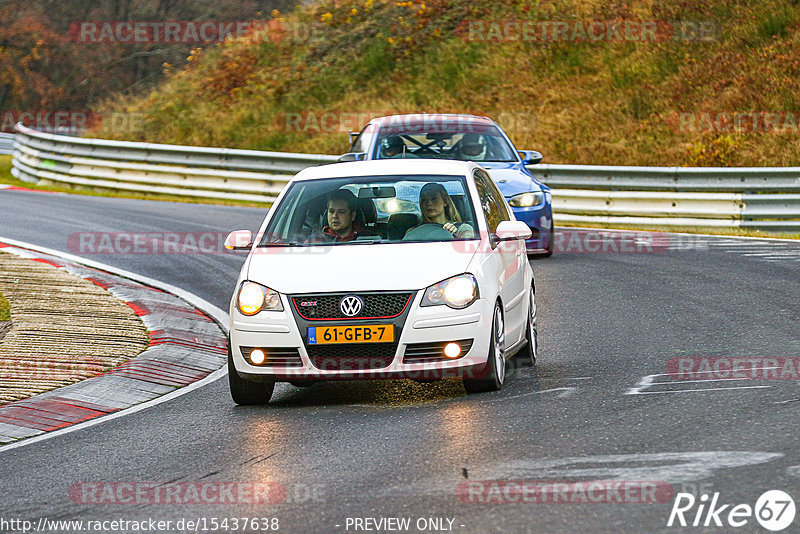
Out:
{"x": 428, "y": 232}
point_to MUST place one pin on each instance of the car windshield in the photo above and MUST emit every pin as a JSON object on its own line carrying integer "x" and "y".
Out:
{"x": 372, "y": 209}
{"x": 484, "y": 143}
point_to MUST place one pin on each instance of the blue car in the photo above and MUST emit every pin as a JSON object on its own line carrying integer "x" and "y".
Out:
{"x": 472, "y": 138}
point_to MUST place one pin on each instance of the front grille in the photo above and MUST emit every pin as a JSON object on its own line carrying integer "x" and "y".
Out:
{"x": 276, "y": 357}
{"x": 349, "y": 357}
{"x": 433, "y": 352}
{"x": 376, "y": 306}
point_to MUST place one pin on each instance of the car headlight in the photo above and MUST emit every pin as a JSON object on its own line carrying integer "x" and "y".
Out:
{"x": 527, "y": 200}
{"x": 457, "y": 292}
{"x": 253, "y": 298}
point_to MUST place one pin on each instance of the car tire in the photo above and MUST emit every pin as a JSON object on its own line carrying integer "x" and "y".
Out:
{"x": 493, "y": 374}
{"x": 245, "y": 392}
{"x": 527, "y": 354}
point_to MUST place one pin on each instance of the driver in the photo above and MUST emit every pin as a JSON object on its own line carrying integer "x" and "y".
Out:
{"x": 438, "y": 208}
{"x": 341, "y": 217}
{"x": 394, "y": 147}
{"x": 472, "y": 148}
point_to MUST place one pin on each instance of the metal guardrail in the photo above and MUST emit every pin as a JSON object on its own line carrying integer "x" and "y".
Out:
{"x": 204, "y": 172}
{"x": 6, "y": 143}
{"x": 675, "y": 197}
{"x": 749, "y": 197}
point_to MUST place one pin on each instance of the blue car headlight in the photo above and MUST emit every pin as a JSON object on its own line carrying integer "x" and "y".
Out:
{"x": 527, "y": 200}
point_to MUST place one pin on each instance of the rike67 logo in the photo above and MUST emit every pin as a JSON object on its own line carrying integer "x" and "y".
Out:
{"x": 774, "y": 510}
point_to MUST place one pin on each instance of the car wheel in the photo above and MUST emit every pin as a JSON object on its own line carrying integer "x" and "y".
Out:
{"x": 245, "y": 392}
{"x": 528, "y": 352}
{"x": 493, "y": 375}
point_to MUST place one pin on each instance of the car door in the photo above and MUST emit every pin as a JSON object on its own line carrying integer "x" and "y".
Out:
{"x": 507, "y": 258}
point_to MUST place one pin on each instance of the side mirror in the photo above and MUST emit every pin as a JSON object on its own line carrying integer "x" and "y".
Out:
{"x": 510, "y": 230}
{"x": 352, "y": 156}
{"x": 530, "y": 157}
{"x": 239, "y": 240}
{"x": 351, "y": 135}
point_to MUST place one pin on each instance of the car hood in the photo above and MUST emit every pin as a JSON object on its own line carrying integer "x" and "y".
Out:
{"x": 511, "y": 179}
{"x": 345, "y": 268}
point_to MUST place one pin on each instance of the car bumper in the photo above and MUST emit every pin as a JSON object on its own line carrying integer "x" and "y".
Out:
{"x": 540, "y": 220}
{"x": 435, "y": 324}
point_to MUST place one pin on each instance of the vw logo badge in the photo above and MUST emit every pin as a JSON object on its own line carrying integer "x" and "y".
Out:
{"x": 351, "y": 305}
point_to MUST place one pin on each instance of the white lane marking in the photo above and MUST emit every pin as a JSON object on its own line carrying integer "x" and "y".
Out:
{"x": 669, "y": 467}
{"x": 564, "y": 378}
{"x": 644, "y": 383}
{"x": 213, "y": 311}
{"x": 565, "y": 392}
{"x": 696, "y": 390}
{"x": 647, "y": 383}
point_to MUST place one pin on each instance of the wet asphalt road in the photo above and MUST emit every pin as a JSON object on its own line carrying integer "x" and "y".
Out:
{"x": 599, "y": 405}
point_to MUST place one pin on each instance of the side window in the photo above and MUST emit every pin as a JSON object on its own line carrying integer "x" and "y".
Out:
{"x": 364, "y": 139}
{"x": 498, "y": 196}
{"x": 492, "y": 208}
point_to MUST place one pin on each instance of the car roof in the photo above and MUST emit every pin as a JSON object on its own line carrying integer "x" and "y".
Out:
{"x": 387, "y": 167}
{"x": 426, "y": 119}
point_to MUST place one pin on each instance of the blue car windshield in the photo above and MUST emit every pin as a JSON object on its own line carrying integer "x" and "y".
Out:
{"x": 484, "y": 143}
{"x": 372, "y": 209}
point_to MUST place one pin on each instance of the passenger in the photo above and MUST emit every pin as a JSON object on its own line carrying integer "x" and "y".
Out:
{"x": 341, "y": 217}
{"x": 437, "y": 207}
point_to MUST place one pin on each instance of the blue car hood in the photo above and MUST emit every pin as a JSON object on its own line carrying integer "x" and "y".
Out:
{"x": 512, "y": 178}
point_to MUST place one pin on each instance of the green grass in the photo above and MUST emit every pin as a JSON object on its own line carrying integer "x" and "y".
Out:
{"x": 613, "y": 103}
{"x": 5, "y": 309}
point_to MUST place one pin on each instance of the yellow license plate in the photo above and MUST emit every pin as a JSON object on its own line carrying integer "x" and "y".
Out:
{"x": 319, "y": 335}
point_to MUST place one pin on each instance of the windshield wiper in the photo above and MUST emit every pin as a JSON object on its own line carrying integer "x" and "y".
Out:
{"x": 284, "y": 244}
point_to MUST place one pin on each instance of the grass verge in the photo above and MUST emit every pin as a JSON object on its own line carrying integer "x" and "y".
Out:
{"x": 5, "y": 309}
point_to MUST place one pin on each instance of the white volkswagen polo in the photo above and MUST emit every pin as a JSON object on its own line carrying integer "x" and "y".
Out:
{"x": 382, "y": 269}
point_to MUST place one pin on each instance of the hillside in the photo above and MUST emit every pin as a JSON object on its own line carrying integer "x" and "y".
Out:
{"x": 707, "y": 82}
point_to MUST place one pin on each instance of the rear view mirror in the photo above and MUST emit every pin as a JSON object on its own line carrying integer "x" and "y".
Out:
{"x": 239, "y": 240}
{"x": 377, "y": 192}
{"x": 530, "y": 157}
{"x": 509, "y": 230}
{"x": 352, "y": 156}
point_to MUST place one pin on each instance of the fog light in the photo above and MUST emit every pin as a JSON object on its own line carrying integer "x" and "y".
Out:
{"x": 452, "y": 350}
{"x": 257, "y": 356}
